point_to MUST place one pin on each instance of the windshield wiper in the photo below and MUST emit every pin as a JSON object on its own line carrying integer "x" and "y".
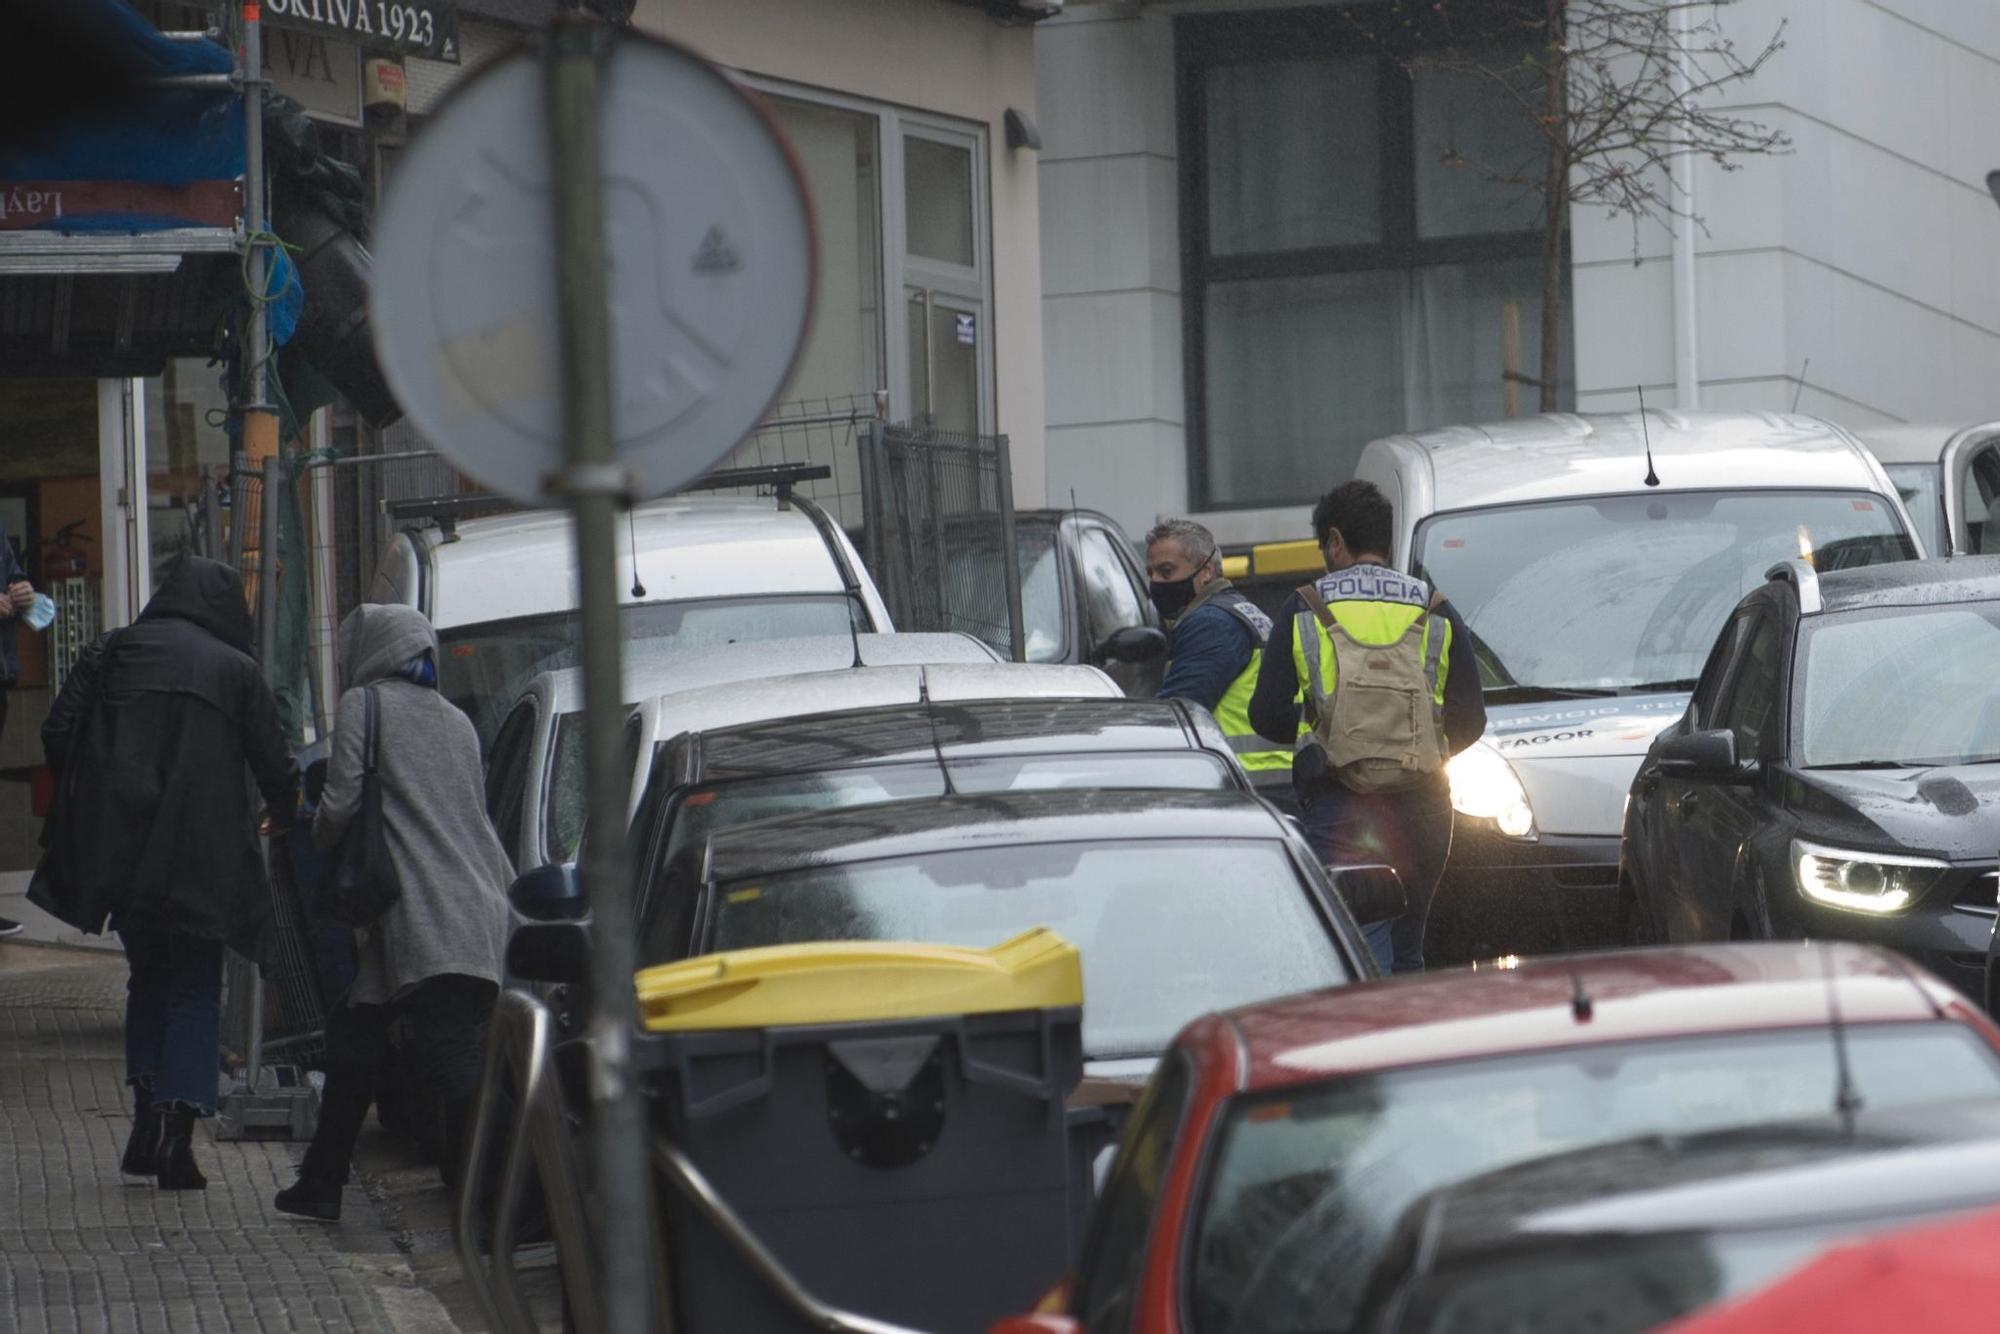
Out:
{"x": 1658, "y": 687}
{"x": 1519, "y": 694}
{"x": 1872, "y": 764}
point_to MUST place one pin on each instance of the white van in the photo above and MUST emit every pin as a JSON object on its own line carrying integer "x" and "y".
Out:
{"x": 1594, "y": 559}
{"x": 1949, "y": 477}
{"x": 711, "y": 570}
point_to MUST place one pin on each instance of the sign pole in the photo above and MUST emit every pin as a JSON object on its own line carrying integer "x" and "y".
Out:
{"x": 595, "y": 487}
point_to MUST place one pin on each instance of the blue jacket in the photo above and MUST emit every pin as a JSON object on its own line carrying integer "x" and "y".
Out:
{"x": 1207, "y": 649}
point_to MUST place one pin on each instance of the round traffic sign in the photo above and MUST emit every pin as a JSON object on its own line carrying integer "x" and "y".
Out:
{"x": 709, "y": 244}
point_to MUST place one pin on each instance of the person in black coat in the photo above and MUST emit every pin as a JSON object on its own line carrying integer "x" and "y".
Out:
{"x": 152, "y": 833}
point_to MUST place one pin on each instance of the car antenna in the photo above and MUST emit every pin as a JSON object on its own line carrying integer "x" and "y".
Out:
{"x": 1652, "y": 478}
{"x": 1846, "y": 1097}
{"x": 1802, "y": 384}
{"x": 930, "y": 721}
{"x": 1580, "y": 1003}
{"x": 632, "y": 535}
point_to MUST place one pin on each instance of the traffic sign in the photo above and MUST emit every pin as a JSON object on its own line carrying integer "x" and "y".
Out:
{"x": 710, "y": 267}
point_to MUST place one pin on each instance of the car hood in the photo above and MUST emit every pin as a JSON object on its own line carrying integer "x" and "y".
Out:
{"x": 1576, "y": 758}
{"x": 1950, "y": 811}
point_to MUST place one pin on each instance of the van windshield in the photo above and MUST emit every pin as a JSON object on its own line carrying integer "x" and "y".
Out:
{"x": 1626, "y": 594}
{"x": 486, "y": 666}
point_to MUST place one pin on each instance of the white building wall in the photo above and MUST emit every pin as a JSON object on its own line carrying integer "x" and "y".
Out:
{"x": 1872, "y": 249}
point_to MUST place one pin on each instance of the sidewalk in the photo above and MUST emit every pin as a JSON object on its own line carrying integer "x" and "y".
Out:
{"x": 82, "y": 1250}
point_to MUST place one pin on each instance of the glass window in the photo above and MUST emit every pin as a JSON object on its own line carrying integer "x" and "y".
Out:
{"x": 1708, "y": 689}
{"x": 1168, "y": 930}
{"x": 1114, "y": 1254}
{"x": 1912, "y": 685}
{"x": 488, "y": 663}
{"x": 1110, "y": 599}
{"x": 1918, "y": 484}
{"x": 944, "y": 363}
{"x": 937, "y": 195}
{"x": 507, "y": 776}
{"x": 976, "y": 598}
{"x": 1478, "y": 167}
{"x": 1752, "y": 706}
{"x": 1672, "y": 566}
{"x": 1307, "y": 1186}
{"x": 1273, "y": 188}
{"x": 186, "y": 406}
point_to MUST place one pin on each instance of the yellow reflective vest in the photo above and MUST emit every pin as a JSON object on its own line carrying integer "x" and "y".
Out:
{"x": 1232, "y": 713}
{"x": 1373, "y": 605}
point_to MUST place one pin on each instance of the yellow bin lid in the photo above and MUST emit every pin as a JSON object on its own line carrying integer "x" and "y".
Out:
{"x": 855, "y": 982}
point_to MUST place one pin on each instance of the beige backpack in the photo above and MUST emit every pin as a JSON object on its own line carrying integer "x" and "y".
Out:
{"x": 1382, "y": 730}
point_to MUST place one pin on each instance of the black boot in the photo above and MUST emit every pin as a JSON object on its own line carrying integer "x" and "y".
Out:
{"x": 316, "y": 1194}
{"x": 142, "y": 1147}
{"x": 174, "y": 1164}
{"x": 342, "y": 1108}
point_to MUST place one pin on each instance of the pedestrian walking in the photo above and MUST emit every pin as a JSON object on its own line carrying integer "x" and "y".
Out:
{"x": 16, "y": 596}
{"x": 1215, "y": 642}
{"x": 433, "y": 959}
{"x": 1369, "y": 672}
{"x": 152, "y": 832}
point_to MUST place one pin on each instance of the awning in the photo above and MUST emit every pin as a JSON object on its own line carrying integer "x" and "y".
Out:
{"x": 120, "y": 221}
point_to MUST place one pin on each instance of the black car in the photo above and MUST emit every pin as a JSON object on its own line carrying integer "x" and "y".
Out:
{"x": 1181, "y": 902}
{"x": 703, "y": 782}
{"x": 1629, "y": 1236}
{"x": 1837, "y": 773}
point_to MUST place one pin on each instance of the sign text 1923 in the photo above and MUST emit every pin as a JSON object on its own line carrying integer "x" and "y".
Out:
{"x": 406, "y": 27}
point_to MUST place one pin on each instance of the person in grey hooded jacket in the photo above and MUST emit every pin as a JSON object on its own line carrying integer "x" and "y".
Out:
{"x": 433, "y": 960}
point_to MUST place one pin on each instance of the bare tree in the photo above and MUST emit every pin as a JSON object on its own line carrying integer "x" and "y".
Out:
{"x": 1616, "y": 92}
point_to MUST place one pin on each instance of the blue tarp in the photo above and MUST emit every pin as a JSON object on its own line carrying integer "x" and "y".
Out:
{"x": 149, "y": 136}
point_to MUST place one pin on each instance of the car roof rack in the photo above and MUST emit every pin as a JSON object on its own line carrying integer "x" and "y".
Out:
{"x": 446, "y": 511}
{"x": 781, "y": 477}
{"x": 1799, "y": 573}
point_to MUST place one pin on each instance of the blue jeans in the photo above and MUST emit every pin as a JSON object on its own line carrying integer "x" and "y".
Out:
{"x": 173, "y": 1016}
{"x": 1410, "y": 831}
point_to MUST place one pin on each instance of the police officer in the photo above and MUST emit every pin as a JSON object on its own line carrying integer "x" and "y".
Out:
{"x": 1371, "y": 604}
{"x": 1215, "y": 642}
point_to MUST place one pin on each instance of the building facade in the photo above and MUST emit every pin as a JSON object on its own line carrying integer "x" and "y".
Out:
{"x": 1264, "y": 247}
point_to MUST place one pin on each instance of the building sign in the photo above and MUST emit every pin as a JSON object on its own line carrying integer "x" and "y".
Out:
{"x": 323, "y": 77}
{"x": 426, "y": 28}
{"x": 138, "y": 205}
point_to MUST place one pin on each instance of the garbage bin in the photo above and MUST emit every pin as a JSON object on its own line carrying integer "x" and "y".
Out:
{"x": 887, "y": 1119}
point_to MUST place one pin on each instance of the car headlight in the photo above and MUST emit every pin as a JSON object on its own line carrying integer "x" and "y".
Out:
{"x": 1870, "y": 882}
{"x": 1484, "y": 786}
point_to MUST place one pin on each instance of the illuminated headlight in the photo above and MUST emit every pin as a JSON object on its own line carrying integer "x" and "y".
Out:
{"x": 1483, "y": 786}
{"x": 1871, "y": 882}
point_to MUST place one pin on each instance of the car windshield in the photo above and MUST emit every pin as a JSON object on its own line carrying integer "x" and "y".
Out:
{"x": 975, "y": 597}
{"x": 1307, "y": 1186}
{"x": 1168, "y": 929}
{"x": 1910, "y": 685}
{"x": 1918, "y": 484}
{"x": 486, "y": 666}
{"x": 708, "y": 809}
{"x": 1623, "y": 1285}
{"x": 1661, "y": 572}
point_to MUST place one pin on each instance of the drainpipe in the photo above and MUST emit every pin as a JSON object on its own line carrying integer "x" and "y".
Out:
{"x": 1687, "y": 313}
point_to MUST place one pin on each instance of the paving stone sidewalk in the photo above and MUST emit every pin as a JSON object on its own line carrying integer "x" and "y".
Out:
{"x": 82, "y": 1251}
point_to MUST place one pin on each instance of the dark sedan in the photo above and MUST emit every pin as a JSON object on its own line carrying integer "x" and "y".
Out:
{"x": 1837, "y": 773}
{"x": 704, "y": 782}
{"x": 1628, "y": 1236}
{"x": 1181, "y": 902}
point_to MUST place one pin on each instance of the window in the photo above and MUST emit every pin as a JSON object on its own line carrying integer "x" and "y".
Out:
{"x": 1110, "y": 598}
{"x": 507, "y": 777}
{"x": 1361, "y": 255}
{"x": 1753, "y": 693}
{"x": 1114, "y": 1256}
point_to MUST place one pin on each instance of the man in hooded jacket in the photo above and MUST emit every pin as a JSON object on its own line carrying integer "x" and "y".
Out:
{"x": 152, "y": 833}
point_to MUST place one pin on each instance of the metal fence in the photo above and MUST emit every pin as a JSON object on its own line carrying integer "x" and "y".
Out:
{"x": 938, "y": 531}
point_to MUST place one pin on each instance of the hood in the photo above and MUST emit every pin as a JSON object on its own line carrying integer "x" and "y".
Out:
{"x": 376, "y": 640}
{"x": 1582, "y": 727}
{"x": 208, "y": 593}
{"x": 1951, "y": 811}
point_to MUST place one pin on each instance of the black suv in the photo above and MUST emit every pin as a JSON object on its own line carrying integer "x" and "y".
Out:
{"x": 1837, "y": 773}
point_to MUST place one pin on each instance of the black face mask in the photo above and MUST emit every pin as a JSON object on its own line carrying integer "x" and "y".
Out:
{"x": 1171, "y": 599}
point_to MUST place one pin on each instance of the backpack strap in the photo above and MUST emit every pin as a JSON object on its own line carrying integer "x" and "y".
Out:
{"x": 1433, "y": 643}
{"x": 1321, "y": 612}
{"x": 370, "y": 730}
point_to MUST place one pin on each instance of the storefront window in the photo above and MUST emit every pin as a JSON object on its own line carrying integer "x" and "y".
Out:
{"x": 186, "y": 408}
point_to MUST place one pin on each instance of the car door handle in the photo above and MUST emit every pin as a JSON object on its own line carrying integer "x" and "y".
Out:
{"x": 1689, "y": 800}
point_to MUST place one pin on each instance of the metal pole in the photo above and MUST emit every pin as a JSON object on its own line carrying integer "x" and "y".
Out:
{"x": 254, "y": 222}
{"x": 1010, "y": 554}
{"x": 267, "y": 650}
{"x": 578, "y": 49}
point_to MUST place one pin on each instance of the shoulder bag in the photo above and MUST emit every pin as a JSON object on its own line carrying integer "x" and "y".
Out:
{"x": 361, "y": 881}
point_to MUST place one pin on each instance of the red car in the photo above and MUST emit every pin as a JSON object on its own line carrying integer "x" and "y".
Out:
{"x": 1267, "y": 1164}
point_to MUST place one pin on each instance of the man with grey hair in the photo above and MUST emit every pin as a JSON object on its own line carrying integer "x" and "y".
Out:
{"x": 1215, "y": 641}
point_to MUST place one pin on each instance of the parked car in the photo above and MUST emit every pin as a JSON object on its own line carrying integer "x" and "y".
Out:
{"x": 1837, "y": 773}
{"x": 1262, "y": 1173}
{"x": 710, "y": 570}
{"x": 1626, "y": 1237}
{"x": 1592, "y": 596}
{"x": 707, "y": 781}
{"x": 1949, "y": 477}
{"x": 1084, "y": 594}
{"x": 534, "y": 766}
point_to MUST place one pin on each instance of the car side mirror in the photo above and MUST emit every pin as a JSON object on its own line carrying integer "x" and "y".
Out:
{"x": 550, "y": 952}
{"x": 1134, "y": 643}
{"x": 1037, "y": 1324}
{"x": 1707, "y": 757}
{"x": 1372, "y": 893}
{"x": 550, "y": 894}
